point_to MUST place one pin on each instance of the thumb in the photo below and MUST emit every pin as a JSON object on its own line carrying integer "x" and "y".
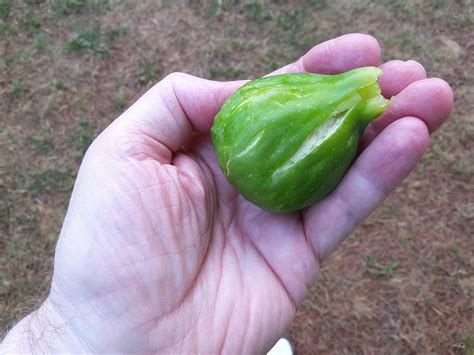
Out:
{"x": 164, "y": 118}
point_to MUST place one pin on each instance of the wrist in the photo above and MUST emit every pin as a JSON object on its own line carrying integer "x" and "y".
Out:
{"x": 42, "y": 331}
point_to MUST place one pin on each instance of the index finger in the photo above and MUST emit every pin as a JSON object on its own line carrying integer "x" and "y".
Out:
{"x": 337, "y": 55}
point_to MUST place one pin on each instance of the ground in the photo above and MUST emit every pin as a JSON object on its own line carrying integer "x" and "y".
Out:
{"x": 402, "y": 283}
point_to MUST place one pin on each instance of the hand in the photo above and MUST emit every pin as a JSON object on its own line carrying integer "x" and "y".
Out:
{"x": 158, "y": 253}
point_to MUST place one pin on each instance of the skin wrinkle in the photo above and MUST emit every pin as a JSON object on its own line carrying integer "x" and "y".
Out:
{"x": 195, "y": 323}
{"x": 174, "y": 78}
{"x": 377, "y": 186}
{"x": 241, "y": 277}
{"x": 185, "y": 300}
{"x": 301, "y": 227}
{"x": 270, "y": 267}
{"x": 397, "y": 151}
{"x": 147, "y": 221}
{"x": 191, "y": 188}
{"x": 114, "y": 268}
{"x": 182, "y": 218}
{"x": 227, "y": 327}
{"x": 189, "y": 181}
{"x": 216, "y": 100}
{"x": 130, "y": 148}
{"x": 94, "y": 311}
{"x": 66, "y": 323}
{"x": 188, "y": 325}
{"x": 172, "y": 216}
{"x": 353, "y": 216}
{"x": 186, "y": 295}
{"x": 406, "y": 72}
{"x": 207, "y": 229}
{"x": 221, "y": 263}
{"x": 327, "y": 49}
{"x": 309, "y": 243}
{"x": 299, "y": 66}
{"x": 154, "y": 322}
{"x": 181, "y": 223}
{"x": 155, "y": 155}
{"x": 322, "y": 222}
{"x": 152, "y": 185}
{"x": 226, "y": 195}
{"x": 247, "y": 314}
{"x": 113, "y": 338}
{"x": 86, "y": 266}
{"x": 180, "y": 120}
{"x": 136, "y": 128}
{"x": 184, "y": 340}
{"x": 102, "y": 295}
{"x": 125, "y": 236}
{"x": 222, "y": 345}
{"x": 247, "y": 329}
{"x": 169, "y": 213}
{"x": 191, "y": 196}
{"x": 157, "y": 209}
{"x": 124, "y": 280}
{"x": 199, "y": 315}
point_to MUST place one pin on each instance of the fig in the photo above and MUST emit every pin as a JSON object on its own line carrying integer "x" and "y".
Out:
{"x": 285, "y": 141}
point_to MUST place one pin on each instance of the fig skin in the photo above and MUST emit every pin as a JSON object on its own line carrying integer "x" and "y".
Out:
{"x": 285, "y": 141}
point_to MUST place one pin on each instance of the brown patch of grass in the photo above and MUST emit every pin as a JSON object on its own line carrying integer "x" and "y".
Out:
{"x": 64, "y": 78}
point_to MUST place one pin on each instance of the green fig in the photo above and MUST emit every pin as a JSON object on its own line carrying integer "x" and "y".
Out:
{"x": 286, "y": 141}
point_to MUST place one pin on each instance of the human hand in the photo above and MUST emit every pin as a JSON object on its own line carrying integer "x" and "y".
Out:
{"x": 158, "y": 253}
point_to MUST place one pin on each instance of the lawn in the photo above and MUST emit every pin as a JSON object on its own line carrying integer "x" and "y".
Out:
{"x": 402, "y": 283}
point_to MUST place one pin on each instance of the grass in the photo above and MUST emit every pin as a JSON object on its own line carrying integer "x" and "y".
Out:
{"x": 93, "y": 41}
{"x": 5, "y": 8}
{"x": 382, "y": 270}
{"x": 148, "y": 71}
{"x": 403, "y": 283}
{"x": 59, "y": 85}
{"x": 42, "y": 143}
{"x": 30, "y": 21}
{"x": 256, "y": 11}
{"x": 467, "y": 345}
{"x": 47, "y": 180}
{"x": 17, "y": 89}
{"x": 292, "y": 21}
{"x": 41, "y": 42}
{"x": 223, "y": 72}
{"x": 87, "y": 41}
{"x": 68, "y": 7}
{"x": 120, "y": 100}
{"x": 72, "y": 7}
{"x": 81, "y": 138}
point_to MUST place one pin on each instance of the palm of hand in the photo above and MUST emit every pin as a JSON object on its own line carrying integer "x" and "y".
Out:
{"x": 159, "y": 253}
{"x": 199, "y": 253}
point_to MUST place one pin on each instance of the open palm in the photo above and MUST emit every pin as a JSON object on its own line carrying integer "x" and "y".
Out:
{"x": 158, "y": 253}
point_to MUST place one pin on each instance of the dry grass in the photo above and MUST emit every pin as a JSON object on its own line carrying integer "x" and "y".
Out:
{"x": 403, "y": 283}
